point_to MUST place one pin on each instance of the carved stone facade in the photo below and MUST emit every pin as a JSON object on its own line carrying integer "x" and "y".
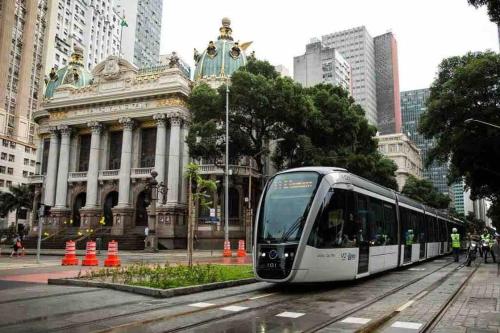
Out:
{"x": 119, "y": 99}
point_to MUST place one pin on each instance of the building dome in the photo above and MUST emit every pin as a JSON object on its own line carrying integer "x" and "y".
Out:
{"x": 222, "y": 57}
{"x": 74, "y": 74}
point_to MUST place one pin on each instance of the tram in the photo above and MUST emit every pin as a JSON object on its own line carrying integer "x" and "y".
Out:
{"x": 318, "y": 224}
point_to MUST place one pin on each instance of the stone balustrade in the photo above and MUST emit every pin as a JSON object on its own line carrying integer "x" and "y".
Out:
{"x": 109, "y": 174}
{"x": 141, "y": 172}
{"x": 36, "y": 179}
{"x": 77, "y": 176}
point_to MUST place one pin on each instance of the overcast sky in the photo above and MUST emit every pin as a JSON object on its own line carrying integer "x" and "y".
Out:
{"x": 426, "y": 30}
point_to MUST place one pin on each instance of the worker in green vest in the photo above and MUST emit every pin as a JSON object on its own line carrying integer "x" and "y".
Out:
{"x": 485, "y": 245}
{"x": 455, "y": 243}
{"x": 409, "y": 237}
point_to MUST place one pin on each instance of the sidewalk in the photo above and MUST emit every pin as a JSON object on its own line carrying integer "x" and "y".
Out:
{"x": 477, "y": 308}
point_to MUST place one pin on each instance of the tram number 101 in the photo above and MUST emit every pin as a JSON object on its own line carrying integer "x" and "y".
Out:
{"x": 272, "y": 265}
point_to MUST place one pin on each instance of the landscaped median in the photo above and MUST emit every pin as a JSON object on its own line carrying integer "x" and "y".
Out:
{"x": 164, "y": 280}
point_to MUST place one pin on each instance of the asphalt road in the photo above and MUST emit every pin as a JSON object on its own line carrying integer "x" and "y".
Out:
{"x": 261, "y": 307}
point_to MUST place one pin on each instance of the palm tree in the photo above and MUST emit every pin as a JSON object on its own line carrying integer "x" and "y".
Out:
{"x": 20, "y": 196}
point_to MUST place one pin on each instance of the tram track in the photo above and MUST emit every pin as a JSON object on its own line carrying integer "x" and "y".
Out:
{"x": 365, "y": 305}
{"x": 260, "y": 307}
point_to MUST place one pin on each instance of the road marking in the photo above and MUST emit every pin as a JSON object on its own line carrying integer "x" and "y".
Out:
{"x": 404, "y": 306}
{"x": 355, "y": 320}
{"x": 406, "y": 324}
{"x": 416, "y": 269}
{"x": 201, "y": 305}
{"x": 287, "y": 314}
{"x": 261, "y": 296}
{"x": 234, "y": 308}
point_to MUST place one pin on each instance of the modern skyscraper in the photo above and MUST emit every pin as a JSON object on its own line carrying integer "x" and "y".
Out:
{"x": 141, "y": 36}
{"x": 321, "y": 64}
{"x": 357, "y": 47}
{"x": 387, "y": 78}
{"x": 282, "y": 70}
{"x": 93, "y": 26}
{"x": 22, "y": 29}
{"x": 413, "y": 104}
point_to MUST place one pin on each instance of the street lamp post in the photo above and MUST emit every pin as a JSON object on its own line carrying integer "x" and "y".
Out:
{"x": 226, "y": 173}
{"x": 467, "y": 121}
{"x": 154, "y": 188}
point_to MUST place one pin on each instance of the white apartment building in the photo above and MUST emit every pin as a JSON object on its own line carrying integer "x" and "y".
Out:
{"x": 141, "y": 38}
{"x": 321, "y": 64}
{"x": 357, "y": 47}
{"x": 92, "y": 25}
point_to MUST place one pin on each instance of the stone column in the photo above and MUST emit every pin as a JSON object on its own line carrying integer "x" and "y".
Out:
{"x": 62, "y": 174}
{"x": 93, "y": 171}
{"x": 161, "y": 139}
{"x": 123, "y": 212}
{"x": 39, "y": 158}
{"x": 50, "y": 183}
{"x": 174, "y": 160}
{"x": 90, "y": 214}
{"x": 185, "y": 161}
{"x": 125, "y": 163}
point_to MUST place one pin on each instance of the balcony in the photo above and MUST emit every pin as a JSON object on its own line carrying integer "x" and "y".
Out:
{"x": 236, "y": 170}
{"x": 141, "y": 172}
{"x": 36, "y": 179}
{"x": 109, "y": 174}
{"x": 77, "y": 176}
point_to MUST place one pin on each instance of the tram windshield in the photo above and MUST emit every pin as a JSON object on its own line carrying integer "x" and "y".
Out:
{"x": 285, "y": 206}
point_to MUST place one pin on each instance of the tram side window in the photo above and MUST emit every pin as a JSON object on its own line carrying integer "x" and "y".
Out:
{"x": 407, "y": 227}
{"x": 334, "y": 226}
{"x": 361, "y": 220}
{"x": 390, "y": 224}
{"x": 431, "y": 229}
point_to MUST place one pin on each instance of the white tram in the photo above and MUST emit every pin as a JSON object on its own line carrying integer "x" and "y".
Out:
{"x": 319, "y": 224}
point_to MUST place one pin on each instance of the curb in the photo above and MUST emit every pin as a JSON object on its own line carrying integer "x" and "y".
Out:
{"x": 154, "y": 292}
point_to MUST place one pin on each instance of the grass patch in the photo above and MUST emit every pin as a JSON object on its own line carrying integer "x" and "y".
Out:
{"x": 167, "y": 276}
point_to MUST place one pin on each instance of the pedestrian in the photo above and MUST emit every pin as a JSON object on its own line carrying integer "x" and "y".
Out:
{"x": 495, "y": 249}
{"x": 16, "y": 246}
{"x": 455, "y": 243}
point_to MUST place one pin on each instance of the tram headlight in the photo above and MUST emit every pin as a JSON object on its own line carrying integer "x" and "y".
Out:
{"x": 286, "y": 255}
{"x": 263, "y": 254}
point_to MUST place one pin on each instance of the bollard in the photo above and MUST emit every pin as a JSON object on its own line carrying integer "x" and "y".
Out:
{"x": 241, "y": 249}
{"x": 90, "y": 258}
{"x": 70, "y": 254}
{"x": 227, "y": 249}
{"x": 113, "y": 260}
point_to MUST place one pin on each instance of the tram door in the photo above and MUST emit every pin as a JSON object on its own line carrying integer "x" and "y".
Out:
{"x": 361, "y": 222}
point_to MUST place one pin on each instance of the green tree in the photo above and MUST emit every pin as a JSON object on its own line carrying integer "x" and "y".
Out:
{"x": 19, "y": 197}
{"x": 424, "y": 191}
{"x": 334, "y": 132}
{"x": 493, "y": 7}
{"x": 199, "y": 190}
{"x": 494, "y": 212}
{"x": 259, "y": 99}
{"x": 476, "y": 223}
{"x": 466, "y": 87}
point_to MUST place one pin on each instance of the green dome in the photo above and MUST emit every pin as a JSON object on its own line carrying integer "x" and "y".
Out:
{"x": 222, "y": 57}
{"x": 74, "y": 74}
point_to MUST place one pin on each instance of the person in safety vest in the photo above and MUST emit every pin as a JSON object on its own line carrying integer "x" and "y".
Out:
{"x": 485, "y": 245}
{"x": 409, "y": 237}
{"x": 455, "y": 243}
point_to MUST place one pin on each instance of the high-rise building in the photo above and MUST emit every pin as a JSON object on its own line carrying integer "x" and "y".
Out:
{"x": 321, "y": 64}
{"x": 282, "y": 70}
{"x": 357, "y": 47}
{"x": 22, "y": 29}
{"x": 93, "y": 26}
{"x": 141, "y": 36}
{"x": 404, "y": 153}
{"x": 387, "y": 78}
{"x": 413, "y": 104}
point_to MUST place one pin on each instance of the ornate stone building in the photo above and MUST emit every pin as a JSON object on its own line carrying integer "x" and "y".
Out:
{"x": 102, "y": 133}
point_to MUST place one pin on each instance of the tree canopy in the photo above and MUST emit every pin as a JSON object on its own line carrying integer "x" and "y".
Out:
{"x": 20, "y": 196}
{"x": 321, "y": 125}
{"x": 493, "y": 7}
{"x": 466, "y": 87}
{"x": 424, "y": 191}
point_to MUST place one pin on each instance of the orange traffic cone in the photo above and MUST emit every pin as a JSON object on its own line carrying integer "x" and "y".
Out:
{"x": 227, "y": 249}
{"x": 70, "y": 254}
{"x": 241, "y": 248}
{"x": 112, "y": 260}
{"x": 90, "y": 258}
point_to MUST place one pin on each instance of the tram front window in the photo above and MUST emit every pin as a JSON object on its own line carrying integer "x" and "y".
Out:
{"x": 285, "y": 206}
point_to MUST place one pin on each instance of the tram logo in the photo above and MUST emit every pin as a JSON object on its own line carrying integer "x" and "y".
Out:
{"x": 348, "y": 256}
{"x": 273, "y": 254}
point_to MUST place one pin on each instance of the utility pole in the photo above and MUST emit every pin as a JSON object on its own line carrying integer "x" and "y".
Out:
{"x": 226, "y": 173}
